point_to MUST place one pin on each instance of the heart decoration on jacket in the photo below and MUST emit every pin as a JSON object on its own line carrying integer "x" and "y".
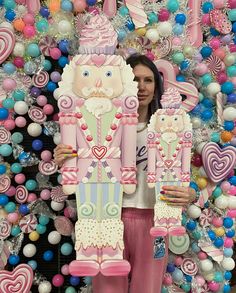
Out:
{"x": 19, "y": 280}
{"x": 218, "y": 162}
{"x": 99, "y": 151}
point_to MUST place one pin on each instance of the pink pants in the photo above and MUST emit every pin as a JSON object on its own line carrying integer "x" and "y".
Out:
{"x": 146, "y": 272}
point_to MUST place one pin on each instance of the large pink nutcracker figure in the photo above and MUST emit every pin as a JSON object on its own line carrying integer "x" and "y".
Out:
{"x": 169, "y": 156}
{"x": 98, "y": 118}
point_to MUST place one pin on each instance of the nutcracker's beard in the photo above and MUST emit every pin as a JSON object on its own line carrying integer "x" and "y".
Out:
{"x": 98, "y": 106}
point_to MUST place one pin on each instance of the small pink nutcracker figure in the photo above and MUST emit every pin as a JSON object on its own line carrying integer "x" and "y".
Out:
{"x": 98, "y": 118}
{"x": 169, "y": 156}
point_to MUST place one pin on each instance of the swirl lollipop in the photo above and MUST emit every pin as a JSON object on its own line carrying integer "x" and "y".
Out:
{"x": 7, "y": 42}
{"x": 189, "y": 267}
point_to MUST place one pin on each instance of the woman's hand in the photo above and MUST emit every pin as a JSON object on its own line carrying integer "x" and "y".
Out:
{"x": 63, "y": 152}
{"x": 178, "y": 195}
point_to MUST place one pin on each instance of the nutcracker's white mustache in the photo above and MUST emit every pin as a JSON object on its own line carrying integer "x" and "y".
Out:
{"x": 92, "y": 92}
{"x": 98, "y": 106}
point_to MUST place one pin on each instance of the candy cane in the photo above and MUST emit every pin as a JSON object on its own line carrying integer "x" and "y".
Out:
{"x": 219, "y": 108}
{"x": 110, "y": 8}
{"x": 33, "y": 6}
{"x": 194, "y": 31}
{"x": 184, "y": 88}
{"x": 137, "y": 13}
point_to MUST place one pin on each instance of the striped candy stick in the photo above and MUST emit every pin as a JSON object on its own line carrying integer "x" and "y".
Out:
{"x": 137, "y": 13}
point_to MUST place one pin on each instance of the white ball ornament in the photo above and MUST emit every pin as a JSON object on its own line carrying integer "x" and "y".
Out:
{"x": 193, "y": 211}
{"x": 54, "y": 237}
{"x": 29, "y": 250}
{"x": 221, "y": 202}
{"x": 209, "y": 276}
{"x": 228, "y": 263}
{"x": 34, "y": 129}
{"x": 45, "y": 287}
{"x": 64, "y": 27}
{"x": 229, "y": 114}
{"x": 202, "y": 172}
{"x": 232, "y": 202}
{"x": 164, "y": 28}
{"x": 57, "y": 138}
{"x": 57, "y": 206}
{"x": 21, "y": 107}
{"x": 153, "y": 35}
{"x": 206, "y": 265}
{"x": 19, "y": 50}
{"x": 213, "y": 88}
{"x": 196, "y": 122}
{"x": 8, "y": 25}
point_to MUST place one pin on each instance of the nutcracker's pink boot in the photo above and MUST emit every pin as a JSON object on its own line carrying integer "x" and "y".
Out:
{"x": 175, "y": 228}
{"x": 160, "y": 228}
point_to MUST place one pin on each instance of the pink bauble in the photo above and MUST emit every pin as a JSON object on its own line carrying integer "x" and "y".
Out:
{"x": 167, "y": 280}
{"x": 29, "y": 31}
{"x": 232, "y": 4}
{"x": 48, "y": 109}
{"x": 232, "y": 190}
{"x": 222, "y": 77}
{"x": 19, "y": 178}
{"x": 41, "y": 100}
{"x": 55, "y": 117}
{"x": 69, "y": 212}
{"x": 55, "y": 53}
{"x": 9, "y": 124}
{"x": 233, "y": 80}
{"x": 65, "y": 270}
{"x": 79, "y": 5}
{"x": 20, "y": 2}
{"x": 31, "y": 197}
{"x": 11, "y": 191}
{"x": 19, "y": 62}
{"x": 214, "y": 43}
{"x": 202, "y": 255}
{"x": 220, "y": 53}
{"x": 232, "y": 48}
{"x": 225, "y": 186}
{"x": 231, "y": 213}
{"x": 176, "y": 41}
{"x": 45, "y": 194}
{"x": 201, "y": 69}
{"x": 217, "y": 222}
{"x": 206, "y": 19}
{"x": 46, "y": 156}
{"x": 58, "y": 280}
{"x": 28, "y": 19}
{"x": 13, "y": 217}
{"x": 20, "y": 121}
{"x": 150, "y": 55}
{"x": 228, "y": 242}
{"x": 200, "y": 280}
{"x": 178, "y": 261}
{"x": 214, "y": 286}
{"x": 9, "y": 84}
{"x": 163, "y": 15}
{"x": 219, "y": 4}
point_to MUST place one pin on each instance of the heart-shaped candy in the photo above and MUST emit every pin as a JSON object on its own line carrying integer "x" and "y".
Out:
{"x": 99, "y": 151}
{"x": 7, "y": 42}
{"x": 218, "y": 162}
{"x": 19, "y": 280}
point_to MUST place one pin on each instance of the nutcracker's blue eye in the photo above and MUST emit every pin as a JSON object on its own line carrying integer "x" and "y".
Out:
{"x": 86, "y": 73}
{"x": 108, "y": 73}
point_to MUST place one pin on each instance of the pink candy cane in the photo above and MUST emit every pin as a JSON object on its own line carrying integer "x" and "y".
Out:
{"x": 137, "y": 13}
{"x": 33, "y": 6}
{"x": 110, "y": 7}
{"x": 194, "y": 31}
{"x": 184, "y": 88}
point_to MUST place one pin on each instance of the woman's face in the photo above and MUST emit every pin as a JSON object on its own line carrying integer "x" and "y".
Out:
{"x": 146, "y": 84}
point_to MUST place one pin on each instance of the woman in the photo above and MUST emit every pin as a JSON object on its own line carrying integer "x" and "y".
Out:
{"x": 137, "y": 214}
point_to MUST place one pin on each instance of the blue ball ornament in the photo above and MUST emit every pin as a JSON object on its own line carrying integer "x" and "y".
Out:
{"x": 195, "y": 247}
{"x": 10, "y": 207}
{"x": 228, "y": 275}
{"x": 177, "y": 275}
{"x": 48, "y": 255}
{"x": 37, "y": 144}
{"x": 74, "y": 281}
{"x": 207, "y": 7}
{"x": 206, "y": 51}
{"x": 44, "y": 11}
{"x": 234, "y": 27}
{"x": 31, "y": 184}
{"x": 18, "y": 95}
{"x": 3, "y": 169}
{"x": 66, "y": 249}
{"x": 14, "y": 259}
{"x": 152, "y": 18}
{"x": 5, "y": 150}
{"x": 180, "y": 18}
{"x": 42, "y": 25}
{"x": 9, "y": 68}
{"x": 228, "y": 252}
{"x": 228, "y": 222}
{"x": 3, "y": 199}
{"x": 62, "y": 61}
{"x": 9, "y": 4}
{"x": 41, "y": 229}
{"x": 217, "y": 192}
{"x": 208, "y": 103}
{"x": 178, "y": 29}
{"x": 70, "y": 290}
{"x": 16, "y": 168}
{"x": 226, "y": 288}
{"x": 130, "y": 25}
{"x": 215, "y": 137}
{"x": 17, "y": 137}
{"x": 188, "y": 278}
{"x": 231, "y": 98}
{"x": 228, "y": 125}
{"x": 123, "y": 11}
{"x": 206, "y": 79}
{"x": 15, "y": 230}
{"x": 232, "y": 180}
{"x": 194, "y": 186}
{"x": 227, "y": 87}
{"x": 63, "y": 46}
{"x": 47, "y": 65}
{"x": 172, "y": 5}
{"x": 191, "y": 225}
{"x": 10, "y": 15}
{"x": 212, "y": 235}
{"x": 218, "y": 242}
{"x": 3, "y": 113}
{"x": 33, "y": 50}
{"x": 121, "y": 34}
{"x": 66, "y": 5}
{"x": 180, "y": 78}
{"x": 230, "y": 233}
{"x": 197, "y": 109}
{"x": 44, "y": 220}
{"x": 214, "y": 32}
{"x": 206, "y": 115}
{"x": 170, "y": 268}
{"x": 51, "y": 86}
{"x": 184, "y": 65}
{"x": 8, "y": 103}
{"x": 33, "y": 264}
{"x": 23, "y": 209}
{"x": 91, "y": 2}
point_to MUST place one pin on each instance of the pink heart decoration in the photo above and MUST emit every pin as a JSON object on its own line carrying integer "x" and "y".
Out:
{"x": 19, "y": 280}
{"x": 99, "y": 152}
{"x": 169, "y": 163}
{"x": 98, "y": 60}
{"x": 7, "y": 43}
{"x": 218, "y": 162}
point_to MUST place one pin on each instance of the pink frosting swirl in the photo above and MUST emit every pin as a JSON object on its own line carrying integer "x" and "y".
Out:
{"x": 171, "y": 99}
{"x": 98, "y": 33}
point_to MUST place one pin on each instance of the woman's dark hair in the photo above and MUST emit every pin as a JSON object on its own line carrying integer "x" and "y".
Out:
{"x": 137, "y": 59}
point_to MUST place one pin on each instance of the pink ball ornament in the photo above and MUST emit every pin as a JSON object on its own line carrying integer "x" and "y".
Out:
{"x": 206, "y": 19}
{"x": 201, "y": 69}
{"x": 200, "y": 280}
{"x": 217, "y": 222}
{"x": 9, "y": 84}
{"x": 232, "y": 48}
{"x": 19, "y": 178}
{"x": 55, "y": 53}
{"x": 79, "y": 5}
{"x": 221, "y": 77}
{"x": 163, "y": 15}
{"x": 232, "y": 190}
{"x": 65, "y": 270}
{"x": 55, "y": 117}
{"x": 13, "y": 217}
{"x": 150, "y": 55}
{"x": 46, "y": 156}
{"x": 167, "y": 280}
{"x": 202, "y": 255}
{"x": 19, "y": 62}
{"x": 41, "y": 100}
{"x": 45, "y": 194}
{"x": 29, "y": 31}
{"x": 232, "y": 4}
{"x": 58, "y": 280}
{"x": 9, "y": 124}
{"x": 228, "y": 242}
{"x": 20, "y": 122}
{"x": 220, "y": 53}
{"x": 11, "y": 191}
{"x": 219, "y": 4}
{"x": 178, "y": 261}
{"x": 69, "y": 212}
{"x": 176, "y": 41}
{"x": 48, "y": 109}
{"x": 31, "y": 197}
{"x": 28, "y": 19}
{"x": 214, "y": 286}
{"x": 214, "y": 43}
{"x": 225, "y": 186}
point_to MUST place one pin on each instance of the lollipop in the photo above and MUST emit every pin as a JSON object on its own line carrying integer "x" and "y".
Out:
{"x": 7, "y": 42}
{"x": 214, "y": 64}
{"x": 57, "y": 194}
{"x": 28, "y": 223}
{"x": 179, "y": 244}
{"x": 36, "y": 114}
{"x": 5, "y": 136}
{"x": 5, "y": 228}
{"x": 40, "y": 79}
{"x": 46, "y": 44}
{"x": 205, "y": 218}
{"x": 189, "y": 267}
{"x": 5, "y": 183}
{"x": 47, "y": 168}
{"x": 21, "y": 195}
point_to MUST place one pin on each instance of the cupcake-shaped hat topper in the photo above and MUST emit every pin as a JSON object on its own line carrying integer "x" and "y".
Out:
{"x": 171, "y": 99}
{"x": 98, "y": 37}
